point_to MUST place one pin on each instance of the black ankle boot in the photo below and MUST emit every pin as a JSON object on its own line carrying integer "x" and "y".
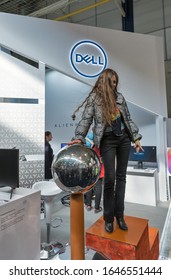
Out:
{"x": 109, "y": 227}
{"x": 121, "y": 223}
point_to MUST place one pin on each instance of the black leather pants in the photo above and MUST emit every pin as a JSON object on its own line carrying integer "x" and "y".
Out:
{"x": 115, "y": 153}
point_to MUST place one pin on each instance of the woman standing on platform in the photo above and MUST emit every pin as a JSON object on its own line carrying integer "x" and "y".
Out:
{"x": 113, "y": 132}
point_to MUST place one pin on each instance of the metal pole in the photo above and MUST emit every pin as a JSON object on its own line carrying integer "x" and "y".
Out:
{"x": 48, "y": 226}
{"x": 128, "y": 20}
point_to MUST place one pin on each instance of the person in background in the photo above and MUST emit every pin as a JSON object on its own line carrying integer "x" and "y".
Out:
{"x": 113, "y": 132}
{"x": 48, "y": 155}
{"x": 97, "y": 189}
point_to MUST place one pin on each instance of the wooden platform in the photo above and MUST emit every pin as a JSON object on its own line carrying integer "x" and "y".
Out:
{"x": 140, "y": 242}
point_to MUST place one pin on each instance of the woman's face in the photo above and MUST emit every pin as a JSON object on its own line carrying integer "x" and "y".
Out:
{"x": 113, "y": 82}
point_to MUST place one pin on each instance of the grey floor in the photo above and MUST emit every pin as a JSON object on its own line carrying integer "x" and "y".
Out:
{"x": 159, "y": 217}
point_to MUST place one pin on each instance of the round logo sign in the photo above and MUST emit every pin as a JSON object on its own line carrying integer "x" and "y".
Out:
{"x": 88, "y": 59}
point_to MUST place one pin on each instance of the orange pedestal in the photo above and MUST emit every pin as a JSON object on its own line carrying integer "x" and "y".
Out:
{"x": 138, "y": 243}
{"x": 77, "y": 226}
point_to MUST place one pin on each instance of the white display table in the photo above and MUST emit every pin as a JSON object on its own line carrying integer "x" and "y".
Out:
{"x": 142, "y": 186}
{"x": 49, "y": 190}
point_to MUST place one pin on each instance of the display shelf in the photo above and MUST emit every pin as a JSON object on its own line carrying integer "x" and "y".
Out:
{"x": 138, "y": 171}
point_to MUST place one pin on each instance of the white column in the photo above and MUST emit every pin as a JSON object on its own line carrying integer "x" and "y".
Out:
{"x": 162, "y": 158}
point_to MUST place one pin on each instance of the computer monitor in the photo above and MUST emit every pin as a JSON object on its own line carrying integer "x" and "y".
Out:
{"x": 148, "y": 156}
{"x": 9, "y": 168}
{"x": 63, "y": 145}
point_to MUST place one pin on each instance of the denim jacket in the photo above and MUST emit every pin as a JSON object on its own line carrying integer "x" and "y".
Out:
{"x": 93, "y": 112}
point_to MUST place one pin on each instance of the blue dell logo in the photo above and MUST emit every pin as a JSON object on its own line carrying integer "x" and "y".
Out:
{"x": 88, "y": 59}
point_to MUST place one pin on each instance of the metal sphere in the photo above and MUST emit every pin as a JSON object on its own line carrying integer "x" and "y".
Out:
{"x": 76, "y": 168}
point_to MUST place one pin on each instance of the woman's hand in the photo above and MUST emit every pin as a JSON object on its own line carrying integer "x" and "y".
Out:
{"x": 76, "y": 141}
{"x": 137, "y": 146}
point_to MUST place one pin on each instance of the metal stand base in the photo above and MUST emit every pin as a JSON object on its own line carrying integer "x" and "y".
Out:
{"x": 50, "y": 250}
{"x": 66, "y": 255}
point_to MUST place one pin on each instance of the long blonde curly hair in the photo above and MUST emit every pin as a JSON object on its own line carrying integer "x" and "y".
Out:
{"x": 105, "y": 93}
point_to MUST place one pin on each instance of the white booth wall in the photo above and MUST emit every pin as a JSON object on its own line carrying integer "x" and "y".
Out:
{"x": 137, "y": 58}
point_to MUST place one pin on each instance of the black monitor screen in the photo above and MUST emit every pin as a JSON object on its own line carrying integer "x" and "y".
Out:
{"x": 149, "y": 154}
{"x": 9, "y": 168}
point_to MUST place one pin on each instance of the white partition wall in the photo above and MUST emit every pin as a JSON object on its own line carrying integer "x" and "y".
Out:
{"x": 20, "y": 225}
{"x": 63, "y": 94}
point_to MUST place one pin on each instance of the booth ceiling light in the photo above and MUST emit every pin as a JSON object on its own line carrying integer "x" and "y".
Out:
{"x": 83, "y": 9}
{"x": 51, "y": 8}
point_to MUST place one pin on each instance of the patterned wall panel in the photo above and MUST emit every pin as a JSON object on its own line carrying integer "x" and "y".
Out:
{"x": 31, "y": 172}
{"x": 22, "y": 124}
